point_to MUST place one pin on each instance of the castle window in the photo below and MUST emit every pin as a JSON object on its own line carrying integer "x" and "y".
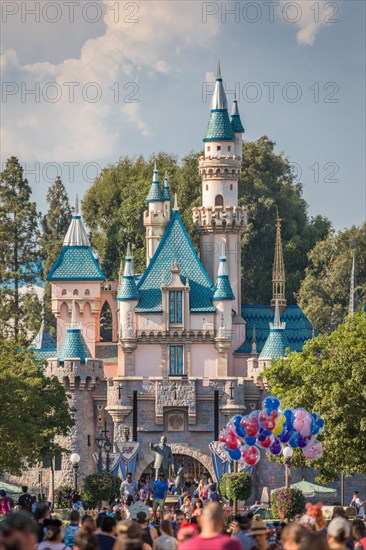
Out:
{"x": 208, "y": 148}
{"x": 87, "y": 292}
{"x": 76, "y": 292}
{"x": 106, "y": 323}
{"x": 64, "y": 292}
{"x": 219, "y": 200}
{"x": 206, "y": 187}
{"x": 218, "y": 148}
{"x": 176, "y": 361}
{"x": 231, "y": 186}
{"x": 229, "y": 148}
{"x": 175, "y": 306}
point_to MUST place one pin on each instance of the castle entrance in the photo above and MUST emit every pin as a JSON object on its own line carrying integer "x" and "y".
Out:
{"x": 193, "y": 466}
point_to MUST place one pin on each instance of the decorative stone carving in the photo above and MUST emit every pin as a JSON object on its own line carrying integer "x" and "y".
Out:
{"x": 175, "y": 421}
{"x": 180, "y": 393}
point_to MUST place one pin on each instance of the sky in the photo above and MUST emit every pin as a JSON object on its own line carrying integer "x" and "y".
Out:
{"x": 86, "y": 82}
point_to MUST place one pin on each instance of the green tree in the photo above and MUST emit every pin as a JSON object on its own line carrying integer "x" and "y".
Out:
{"x": 268, "y": 182}
{"x": 236, "y": 486}
{"x": 34, "y": 410}
{"x": 114, "y": 204}
{"x": 98, "y": 487}
{"x": 325, "y": 291}
{"x": 329, "y": 377}
{"x": 19, "y": 253}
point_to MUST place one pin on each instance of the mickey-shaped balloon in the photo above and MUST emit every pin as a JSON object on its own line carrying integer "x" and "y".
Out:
{"x": 268, "y": 420}
{"x": 313, "y": 449}
{"x": 302, "y": 422}
{"x": 275, "y": 448}
{"x": 279, "y": 427}
{"x": 251, "y": 454}
{"x": 271, "y": 403}
{"x": 251, "y": 425}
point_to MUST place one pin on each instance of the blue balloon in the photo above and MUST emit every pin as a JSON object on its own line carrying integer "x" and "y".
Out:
{"x": 289, "y": 415}
{"x": 271, "y": 403}
{"x": 250, "y": 440}
{"x": 234, "y": 454}
{"x": 284, "y": 436}
{"x": 294, "y": 440}
{"x": 240, "y": 430}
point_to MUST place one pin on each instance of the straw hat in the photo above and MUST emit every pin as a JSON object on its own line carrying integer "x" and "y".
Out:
{"x": 258, "y": 528}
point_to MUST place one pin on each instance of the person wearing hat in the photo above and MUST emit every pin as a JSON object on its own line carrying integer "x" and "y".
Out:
{"x": 241, "y": 532}
{"x": 259, "y": 533}
{"x": 6, "y": 503}
{"x": 19, "y": 531}
{"x": 338, "y": 533}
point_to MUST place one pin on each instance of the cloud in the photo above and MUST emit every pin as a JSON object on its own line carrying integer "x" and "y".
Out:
{"x": 88, "y": 107}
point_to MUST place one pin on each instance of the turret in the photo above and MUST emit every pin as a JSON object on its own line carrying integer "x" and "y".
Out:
{"x": 222, "y": 299}
{"x": 237, "y": 128}
{"x": 277, "y": 341}
{"x": 157, "y": 216}
{"x": 166, "y": 195}
{"x": 278, "y": 272}
{"x": 43, "y": 345}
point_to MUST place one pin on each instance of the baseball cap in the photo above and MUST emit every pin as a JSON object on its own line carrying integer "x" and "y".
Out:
{"x": 339, "y": 526}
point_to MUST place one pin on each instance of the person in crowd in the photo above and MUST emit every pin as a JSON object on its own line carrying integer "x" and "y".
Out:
{"x": 106, "y": 537}
{"x": 211, "y": 537}
{"x": 85, "y": 538}
{"x": 308, "y": 522}
{"x": 72, "y": 528}
{"x": 160, "y": 490}
{"x": 202, "y": 491}
{"x": 149, "y": 533}
{"x": 130, "y": 537}
{"x": 314, "y": 541}
{"x": 240, "y": 531}
{"x": 359, "y": 534}
{"x": 292, "y": 536}
{"x": 186, "y": 531}
{"x": 197, "y": 508}
{"x": 25, "y": 500}
{"x": 128, "y": 488}
{"x": 138, "y": 506}
{"x": 187, "y": 507}
{"x": 166, "y": 540}
{"x": 184, "y": 494}
{"x": 6, "y": 503}
{"x": 53, "y": 536}
{"x": 127, "y": 507}
{"x": 19, "y": 532}
{"x": 358, "y": 503}
{"x": 338, "y": 533}
{"x": 42, "y": 515}
{"x": 145, "y": 491}
{"x": 178, "y": 519}
{"x": 259, "y": 533}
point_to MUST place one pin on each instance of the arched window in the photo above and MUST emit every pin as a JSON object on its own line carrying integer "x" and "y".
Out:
{"x": 64, "y": 292}
{"x": 106, "y": 323}
{"x": 87, "y": 292}
{"x": 76, "y": 292}
{"x": 219, "y": 200}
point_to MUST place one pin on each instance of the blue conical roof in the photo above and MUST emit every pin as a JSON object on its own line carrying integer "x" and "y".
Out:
{"x": 155, "y": 194}
{"x": 128, "y": 289}
{"x": 73, "y": 346}
{"x": 223, "y": 290}
{"x": 166, "y": 189}
{"x": 219, "y": 126}
{"x": 236, "y": 124}
{"x": 277, "y": 341}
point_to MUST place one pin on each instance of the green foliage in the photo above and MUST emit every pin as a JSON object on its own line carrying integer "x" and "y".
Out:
{"x": 98, "y": 487}
{"x": 324, "y": 292}
{"x": 34, "y": 410}
{"x": 19, "y": 254}
{"x": 235, "y": 486}
{"x": 63, "y": 496}
{"x": 114, "y": 205}
{"x": 329, "y": 377}
{"x": 286, "y": 503}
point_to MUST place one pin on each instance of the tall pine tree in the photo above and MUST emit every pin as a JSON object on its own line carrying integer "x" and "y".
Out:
{"x": 19, "y": 253}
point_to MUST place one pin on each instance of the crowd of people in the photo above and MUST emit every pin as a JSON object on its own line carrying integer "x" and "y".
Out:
{"x": 197, "y": 521}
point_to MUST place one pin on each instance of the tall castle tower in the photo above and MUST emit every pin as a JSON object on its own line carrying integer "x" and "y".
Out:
{"x": 278, "y": 273}
{"x": 157, "y": 216}
{"x": 220, "y": 220}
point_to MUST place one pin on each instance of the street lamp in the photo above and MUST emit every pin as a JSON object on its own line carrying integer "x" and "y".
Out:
{"x": 108, "y": 449}
{"x": 288, "y": 453}
{"x": 100, "y": 440}
{"x": 75, "y": 459}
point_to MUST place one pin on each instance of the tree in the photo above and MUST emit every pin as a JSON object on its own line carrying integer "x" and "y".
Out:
{"x": 19, "y": 253}
{"x": 98, "y": 487}
{"x": 329, "y": 377}
{"x": 286, "y": 503}
{"x": 268, "y": 182}
{"x": 325, "y": 291}
{"x": 114, "y": 204}
{"x": 34, "y": 410}
{"x": 235, "y": 486}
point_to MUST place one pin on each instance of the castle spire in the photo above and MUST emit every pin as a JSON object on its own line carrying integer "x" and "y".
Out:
{"x": 155, "y": 194}
{"x": 353, "y": 296}
{"x": 223, "y": 290}
{"x": 128, "y": 289}
{"x": 235, "y": 120}
{"x": 166, "y": 188}
{"x": 175, "y": 207}
{"x": 76, "y": 234}
{"x": 278, "y": 272}
{"x": 219, "y": 100}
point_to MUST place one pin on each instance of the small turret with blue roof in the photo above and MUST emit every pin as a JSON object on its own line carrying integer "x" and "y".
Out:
{"x": 128, "y": 289}
{"x": 223, "y": 290}
{"x": 43, "y": 345}
{"x": 155, "y": 194}
{"x": 219, "y": 127}
{"x": 76, "y": 261}
{"x": 235, "y": 120}
{"x": 73, "y": 345}
{"x": 277, "y": 341}
{"x": 166, "y": 188}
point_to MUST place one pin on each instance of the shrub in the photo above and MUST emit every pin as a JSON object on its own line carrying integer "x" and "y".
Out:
{"x": 286, "y": 503}
{"x": 98, "y": 487}
{"x": 235, "y": 486}
{"x": 63, "y": 496}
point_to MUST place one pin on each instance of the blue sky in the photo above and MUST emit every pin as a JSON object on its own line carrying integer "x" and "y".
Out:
{"x": 161, "y": 54}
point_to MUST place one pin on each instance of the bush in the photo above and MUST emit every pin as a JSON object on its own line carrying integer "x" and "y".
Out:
{"x": 235, "y": 486}
{"x": 63, "y": 496}
{"x": 286, "y": 503}
{"x": 98, "y": 487}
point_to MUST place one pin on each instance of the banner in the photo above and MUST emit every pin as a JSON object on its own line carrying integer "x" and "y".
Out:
{"x": 221, "y": 464}
{"x": 123, "y": 460}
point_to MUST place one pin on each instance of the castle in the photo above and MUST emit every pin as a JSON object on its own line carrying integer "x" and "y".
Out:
{"x": 182, "y": 354}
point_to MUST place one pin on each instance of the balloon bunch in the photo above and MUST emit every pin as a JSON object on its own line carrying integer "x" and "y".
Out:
{"x": 270, "y": 429}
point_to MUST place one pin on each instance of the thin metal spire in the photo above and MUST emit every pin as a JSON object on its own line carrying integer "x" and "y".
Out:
{"x": 175, "y": 207}
{"x": 278, "y": 271}
{"x": 219, "y": 101}
{"x": 218, "y": 72}
{"x": 77, "y": 211}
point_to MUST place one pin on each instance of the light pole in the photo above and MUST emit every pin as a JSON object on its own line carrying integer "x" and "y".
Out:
{"x": 75, "y": 459}
{"x": 100, "y": 440}
{"x": 107, "y": 448}
{"x": 288, "y": 453}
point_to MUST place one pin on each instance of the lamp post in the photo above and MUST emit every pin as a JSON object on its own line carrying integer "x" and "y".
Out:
{"x": 107, "y": 448}
{"x": 100, "y": 440}
{"x": 288, "y": 453}
{"x": 75, "y": 459}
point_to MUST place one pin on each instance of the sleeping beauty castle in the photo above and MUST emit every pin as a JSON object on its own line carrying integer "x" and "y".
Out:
{"x": 181, "y": 353}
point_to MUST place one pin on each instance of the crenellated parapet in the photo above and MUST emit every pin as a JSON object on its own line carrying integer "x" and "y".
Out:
{"x": 74, "y": 375}
{"x": 219, "y": 166}
{"x": 220, "y": 217}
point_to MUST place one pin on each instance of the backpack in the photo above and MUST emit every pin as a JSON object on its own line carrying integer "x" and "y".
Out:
{"x": 27, "y": 505}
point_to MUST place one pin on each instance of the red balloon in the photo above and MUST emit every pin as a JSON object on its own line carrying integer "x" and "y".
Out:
{"x": 222, "y": 438}
{"x": 232, "y": 443}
